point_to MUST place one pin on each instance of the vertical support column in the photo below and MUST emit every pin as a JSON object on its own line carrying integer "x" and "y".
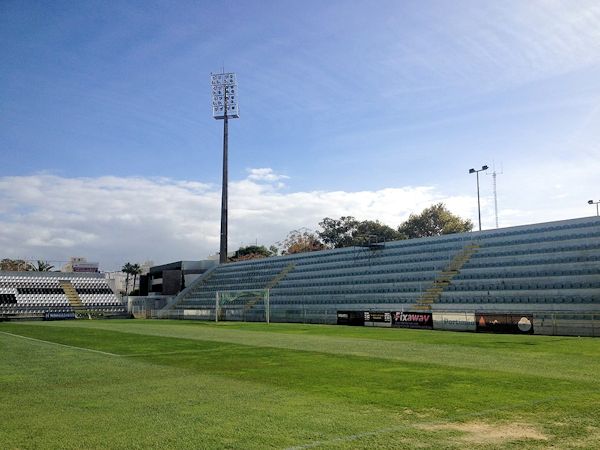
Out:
{"x": 268, "y": 307}
{"x": 217, "y": 307}
{"x": 223, "y": 247}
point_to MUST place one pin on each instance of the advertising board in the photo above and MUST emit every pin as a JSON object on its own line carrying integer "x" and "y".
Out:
{"x": 58, "y": 315}
{"x": 505, "y": 323}
{"x": 422, "y": 320}
{"x": 377, "y": 319}
{"x": 454, "y": 321}
{"x": 353, "y": 318}
{"x": 198, "y": 312}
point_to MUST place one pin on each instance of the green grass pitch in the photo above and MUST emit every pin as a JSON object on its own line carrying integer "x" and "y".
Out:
{"x": 184, "y": 384}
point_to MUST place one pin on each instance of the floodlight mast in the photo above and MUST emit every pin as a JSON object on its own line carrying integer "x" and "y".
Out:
{"x": 478, "y": 202}
{"x": 224, "y": 107}
{"x": 224, "y": 190}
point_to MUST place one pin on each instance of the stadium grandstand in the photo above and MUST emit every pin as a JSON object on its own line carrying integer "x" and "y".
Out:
{"x": 57, "y": 295}
{"x": 546, "y": 274}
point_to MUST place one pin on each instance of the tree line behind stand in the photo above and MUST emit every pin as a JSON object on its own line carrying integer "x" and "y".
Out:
{"x": 20, "y": 265}
{"x": 348, "y": 231}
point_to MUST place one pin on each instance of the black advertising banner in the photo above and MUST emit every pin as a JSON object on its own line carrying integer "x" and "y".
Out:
{"x": 54, "y": 315}
{"x": 504, "y": 323}
{"x": 355, "y": 318}
{"x": 378, "y": 319}
{"x": 412, "y": 320}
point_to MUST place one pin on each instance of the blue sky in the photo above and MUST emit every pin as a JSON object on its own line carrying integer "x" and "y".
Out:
{"x": 337, "y": 99}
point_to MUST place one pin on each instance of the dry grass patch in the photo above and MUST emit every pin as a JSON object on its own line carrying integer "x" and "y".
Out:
{"x": 485, "y": 433}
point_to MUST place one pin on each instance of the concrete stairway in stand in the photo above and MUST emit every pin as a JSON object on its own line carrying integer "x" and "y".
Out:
{"x": 443, "y": 280}
{"x": 271, "y": 284}
{"x": 72, "y": 296}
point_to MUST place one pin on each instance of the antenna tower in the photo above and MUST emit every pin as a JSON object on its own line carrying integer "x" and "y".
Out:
{"x": 494, "y": 175}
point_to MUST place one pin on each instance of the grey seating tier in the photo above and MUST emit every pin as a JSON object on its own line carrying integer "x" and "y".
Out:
{"x": 543, "y": 267}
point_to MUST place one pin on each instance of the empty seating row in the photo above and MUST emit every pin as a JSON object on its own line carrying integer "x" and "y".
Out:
{"x": 37, "y": 292}
{"x": 545, "y": 265}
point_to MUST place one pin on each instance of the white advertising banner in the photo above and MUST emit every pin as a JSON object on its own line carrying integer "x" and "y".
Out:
{"x": 457, "y": 321}
{"x": 197, "y": 312}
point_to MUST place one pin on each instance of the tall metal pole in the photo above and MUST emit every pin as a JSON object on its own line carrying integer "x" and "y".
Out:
{"x": 495, "y": 198}
{"x": 476, "y": 172}
{"x": 478, "y": 204}
{"x": 225, "y": 106}
{"x": 223, "y": 247}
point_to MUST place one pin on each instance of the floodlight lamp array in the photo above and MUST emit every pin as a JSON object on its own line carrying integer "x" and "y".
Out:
{"x": 224, "y": 95}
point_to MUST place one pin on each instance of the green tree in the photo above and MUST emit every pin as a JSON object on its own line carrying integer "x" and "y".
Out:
{"x": 251, "y": 252}
{"x": 14, "y": 265}
{"x": 301, "y": 241}
{"x": 135, "y": 271}
{"x": 347, "y": 231}
{"x": 434, "y": 221}
{"x": 42, "y": 266}
{"x": 337, "y": 233}
{"x": 127, "y": 269}
{"x": 375, "y": 231}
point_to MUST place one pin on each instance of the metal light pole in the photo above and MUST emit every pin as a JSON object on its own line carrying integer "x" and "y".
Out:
{"x": 592, "y": 202}
{"x": 224, "y": 191}
{"x": 225, "y": 106}
{"x": 478, "y": 202}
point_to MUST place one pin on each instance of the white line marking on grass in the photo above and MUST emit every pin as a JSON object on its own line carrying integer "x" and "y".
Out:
{"x": 161, "y": 353}
{"x": 106, "y": 353}
{"x": 174, "y": 352}
{"x": 353, "y": 437}
{"x": 62, "y": 345}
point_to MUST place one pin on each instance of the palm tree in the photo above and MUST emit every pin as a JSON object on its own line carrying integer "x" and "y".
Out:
{"x": 135, "y": 270}
{"x": 42, "y": 266}
{"x": 128, "y": 269}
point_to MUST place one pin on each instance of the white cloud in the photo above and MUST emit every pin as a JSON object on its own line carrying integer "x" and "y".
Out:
{"x": 264, "y": 174}
{"x": 114, "y": 220}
